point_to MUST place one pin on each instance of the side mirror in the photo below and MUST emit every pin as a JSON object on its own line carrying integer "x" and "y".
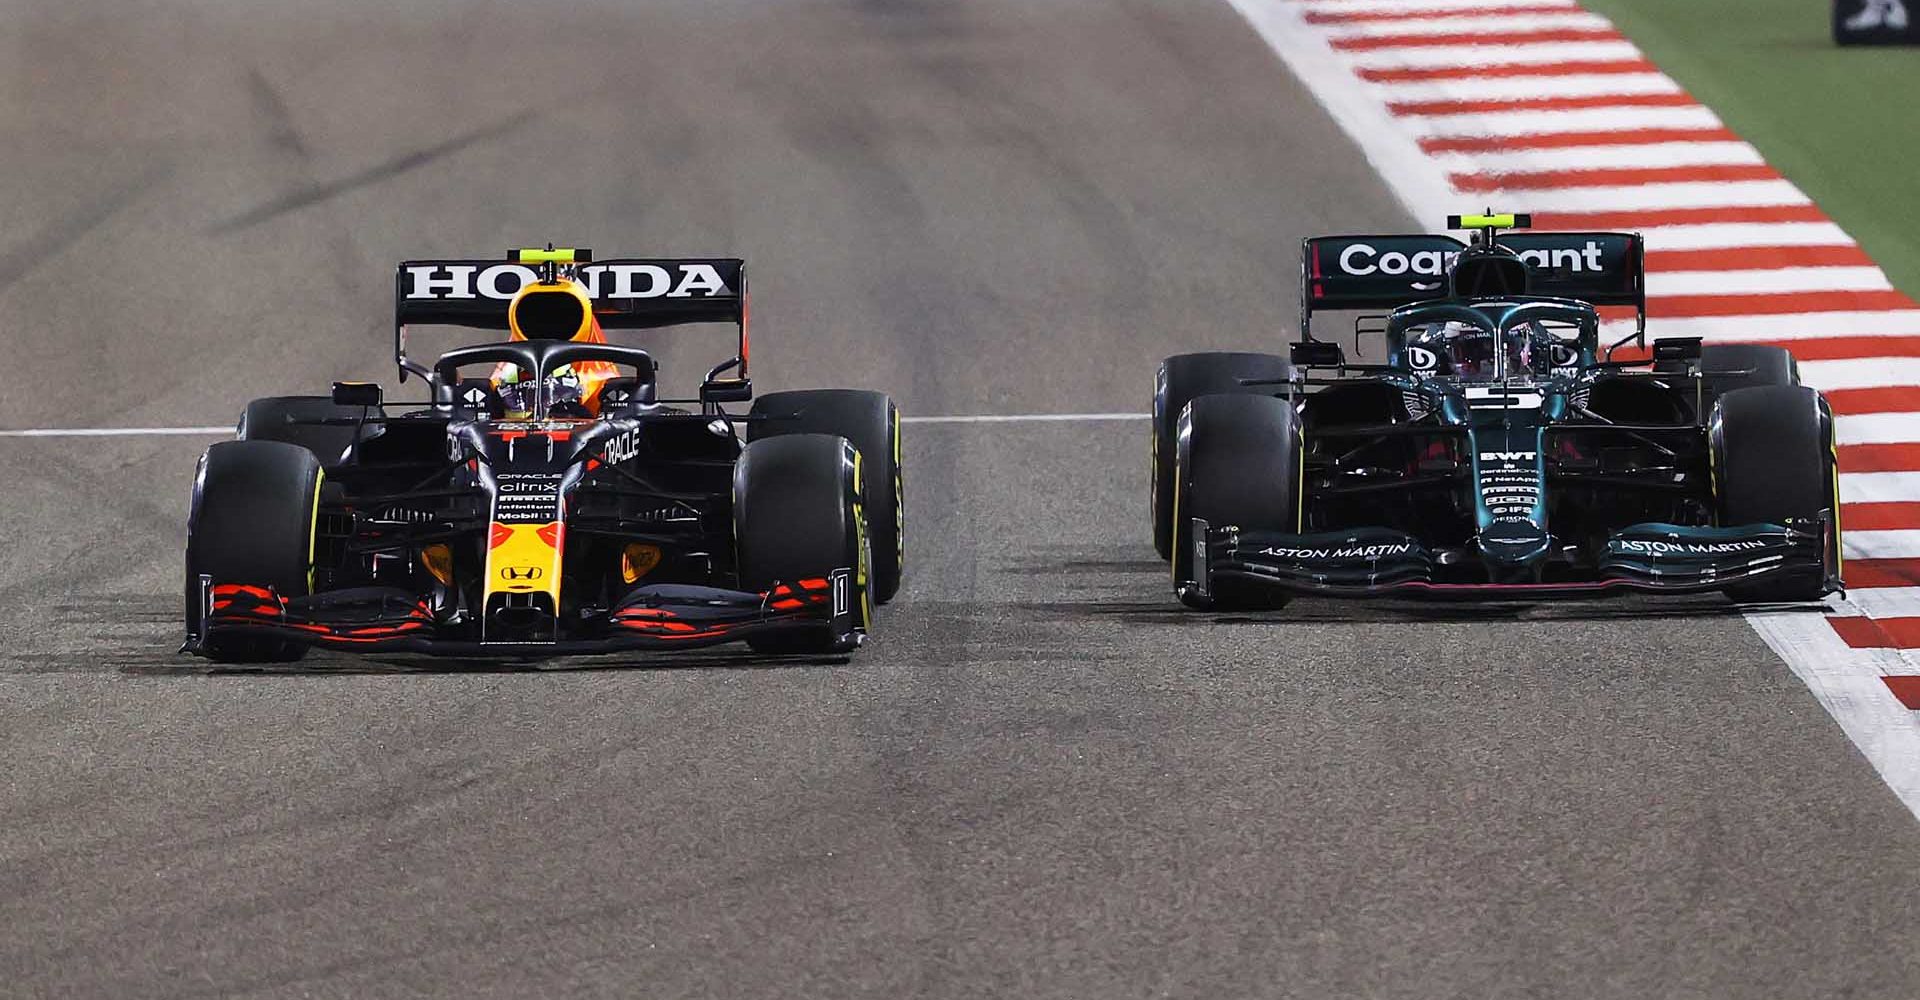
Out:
{"x": 366, "y": 394}
{"x": 726, "y": 390}
{"x": 1317, "y": 354}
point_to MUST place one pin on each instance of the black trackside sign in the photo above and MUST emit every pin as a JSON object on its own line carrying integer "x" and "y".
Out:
{"x": 1386, "y": 272}
{"x": 1876, "y": 22}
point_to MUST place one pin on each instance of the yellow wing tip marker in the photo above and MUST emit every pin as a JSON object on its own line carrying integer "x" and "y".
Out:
{"x": 551, "y": 255}
{"x": 1509, "y": 220}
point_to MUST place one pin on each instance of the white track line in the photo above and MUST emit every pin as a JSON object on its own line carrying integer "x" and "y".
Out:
{"x": 1871, "y": 428}
{"x": 1028, "y": 418}
{"x": 979, "y": 418}
{"x": 66, "y": 432}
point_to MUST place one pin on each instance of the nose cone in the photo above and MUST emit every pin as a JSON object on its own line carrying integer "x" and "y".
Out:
{"x": 1513, "y": 543}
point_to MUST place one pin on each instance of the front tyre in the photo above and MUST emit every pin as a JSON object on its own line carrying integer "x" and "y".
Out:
{"x": 252, "y": 522}
{"x": 872, "y": 422}
{"x": 798, "y": 514}
{"x": 1237, "y": 461}
{"x": 1181, "y": 379}
{"x": 1773, "y": 459}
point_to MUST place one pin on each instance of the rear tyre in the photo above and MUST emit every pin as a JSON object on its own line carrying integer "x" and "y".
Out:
{"x": 252, "y": 522}
{"x": 1181, "y": 379}
{"x": 1762, "y": 364}
{"x": 797, "y": 515}
{"x": 270, "y": 419}
{"x": 872, "y": 423}
{"x": 1237, "y": 461}
{"x": 1772, "y": 449}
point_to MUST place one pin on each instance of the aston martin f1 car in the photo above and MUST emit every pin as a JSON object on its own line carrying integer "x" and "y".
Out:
{"x": 1497, "y": 449}
{"x": 546, "y": 498}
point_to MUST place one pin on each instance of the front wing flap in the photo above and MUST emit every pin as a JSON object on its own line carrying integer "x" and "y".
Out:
{"x": 379, "y": 619}
{"x": 1376, "y": 562}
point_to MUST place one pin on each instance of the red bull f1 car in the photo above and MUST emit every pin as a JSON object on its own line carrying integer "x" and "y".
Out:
{"x": 547, "y": 499}
{"x": 1497, "y": 449}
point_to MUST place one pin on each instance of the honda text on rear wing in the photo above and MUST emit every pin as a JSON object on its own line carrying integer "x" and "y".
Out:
{"x": 1346, "y": 273}
{"x": 627, "y": 294}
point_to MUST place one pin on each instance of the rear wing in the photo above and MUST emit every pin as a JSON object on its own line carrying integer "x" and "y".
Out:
{"x": 627, "y": 294}
{"x": 1387, "y": 272}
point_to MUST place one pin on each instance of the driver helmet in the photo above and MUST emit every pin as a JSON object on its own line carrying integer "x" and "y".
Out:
{"x": 1464, "y": 350}
{"x": 1472, "y": 352}
{"x": 554, "y": 310}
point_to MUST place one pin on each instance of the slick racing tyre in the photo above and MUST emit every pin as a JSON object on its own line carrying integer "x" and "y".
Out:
{"x": 1237, "y": 461}
{"x": 1181, "y": 379}
{"x": 1772, "y": 452}
{"x": 872, "y": 423}
{"x": 797, "y": 515}
{"x": 252, "y": 523}
{"x": 268, "y": 420}
{"x": 1758, "y": 364}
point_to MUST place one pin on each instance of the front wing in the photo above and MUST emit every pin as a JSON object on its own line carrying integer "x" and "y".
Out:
{"x": 666, "y": 616}
{"x": 1379, "y": 562}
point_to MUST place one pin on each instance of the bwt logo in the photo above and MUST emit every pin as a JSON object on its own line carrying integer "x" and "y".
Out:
{"x": 1508, "y": 456}
{"x": 1362, "y": 259}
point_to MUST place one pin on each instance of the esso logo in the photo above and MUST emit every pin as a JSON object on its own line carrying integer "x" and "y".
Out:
{"x": 1422, "y": 360}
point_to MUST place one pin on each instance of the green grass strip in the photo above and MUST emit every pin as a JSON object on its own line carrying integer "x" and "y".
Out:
{"x": 1843, "y": 124}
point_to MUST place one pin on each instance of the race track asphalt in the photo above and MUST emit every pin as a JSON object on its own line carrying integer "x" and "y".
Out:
{"x": 1040, "y": 779}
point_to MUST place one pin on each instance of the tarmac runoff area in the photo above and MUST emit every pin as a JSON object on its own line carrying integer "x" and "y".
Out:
{"x": 1041, "y": 778}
